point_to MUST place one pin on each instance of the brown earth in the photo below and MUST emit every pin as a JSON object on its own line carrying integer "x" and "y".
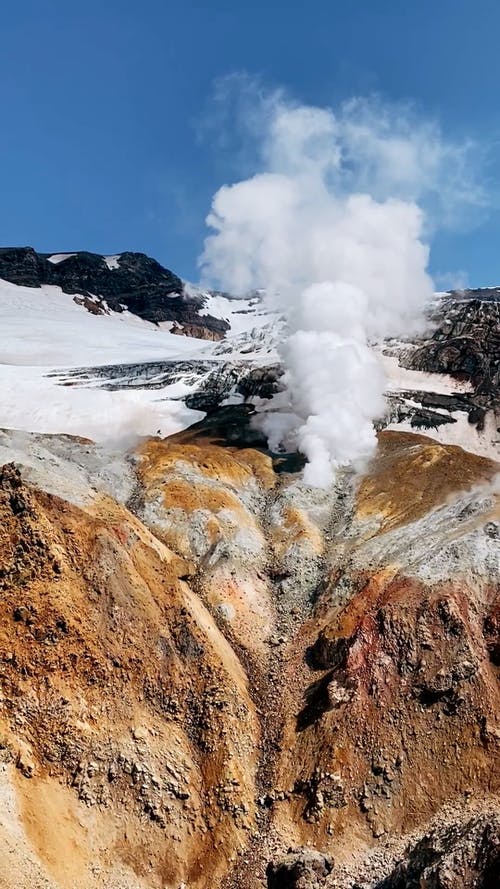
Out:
{"x": 222, "y": 666}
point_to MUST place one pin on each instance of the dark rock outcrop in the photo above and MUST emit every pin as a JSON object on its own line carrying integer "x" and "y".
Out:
{"x": 329, "y": 653}
{"x": 262, "y": 381}
{"x": 463, "y": 341}
{"x": 465, "y": 344}
{"x": 231, "y": 425}
{"x": 300, "y": 869}
{"x": 23, "y": 266}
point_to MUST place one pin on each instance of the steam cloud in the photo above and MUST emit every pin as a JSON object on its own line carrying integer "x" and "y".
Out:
{"x": 331, "y": 228}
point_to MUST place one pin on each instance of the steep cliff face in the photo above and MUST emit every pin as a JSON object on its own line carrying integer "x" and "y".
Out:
{"x": 465, "y": 343}
{"x": 205, "y": 664}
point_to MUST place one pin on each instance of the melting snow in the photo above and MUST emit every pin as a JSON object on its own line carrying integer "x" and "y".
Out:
{"x": 463, "y": 434}
{"x": 401, "y": 378}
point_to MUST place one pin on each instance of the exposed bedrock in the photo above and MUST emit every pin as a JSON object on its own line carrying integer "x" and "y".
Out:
{"x": 465, "y": 343}
{"x": 465, "y": 855}
{"x": 213, "y": 676}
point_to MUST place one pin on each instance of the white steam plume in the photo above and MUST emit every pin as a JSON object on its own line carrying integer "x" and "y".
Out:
{"x": 330, "y": 228}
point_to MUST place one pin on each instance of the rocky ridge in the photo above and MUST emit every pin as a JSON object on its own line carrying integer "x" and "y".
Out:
{"x": 131, "y": 281}
{"x": 465, "y": 342}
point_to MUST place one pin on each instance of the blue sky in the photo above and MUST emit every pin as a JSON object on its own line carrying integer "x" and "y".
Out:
{"x": 101, "y": 105}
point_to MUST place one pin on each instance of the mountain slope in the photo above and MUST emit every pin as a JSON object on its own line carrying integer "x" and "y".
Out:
{"x": 107, "y": 329}
{"x": 205, "y": 663}
{"x": 137, "y": 369}
{"x": 213, "y": 675}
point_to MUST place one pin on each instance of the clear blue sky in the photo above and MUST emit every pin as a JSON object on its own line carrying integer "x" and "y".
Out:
{"x": 99, "y": 103}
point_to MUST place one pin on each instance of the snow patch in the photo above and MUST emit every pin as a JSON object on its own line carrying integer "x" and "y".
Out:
{"x": 401, "y": 379}
{"x": 56, "y": 258}
{"x": 462, "y": 433}
{"x": 33, "y": 402}
{"x": 45, "y": 327}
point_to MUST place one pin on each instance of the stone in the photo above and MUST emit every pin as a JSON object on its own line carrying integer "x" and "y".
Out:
{"x": 465, "y": 856}
{"x": 299, "y": 869}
